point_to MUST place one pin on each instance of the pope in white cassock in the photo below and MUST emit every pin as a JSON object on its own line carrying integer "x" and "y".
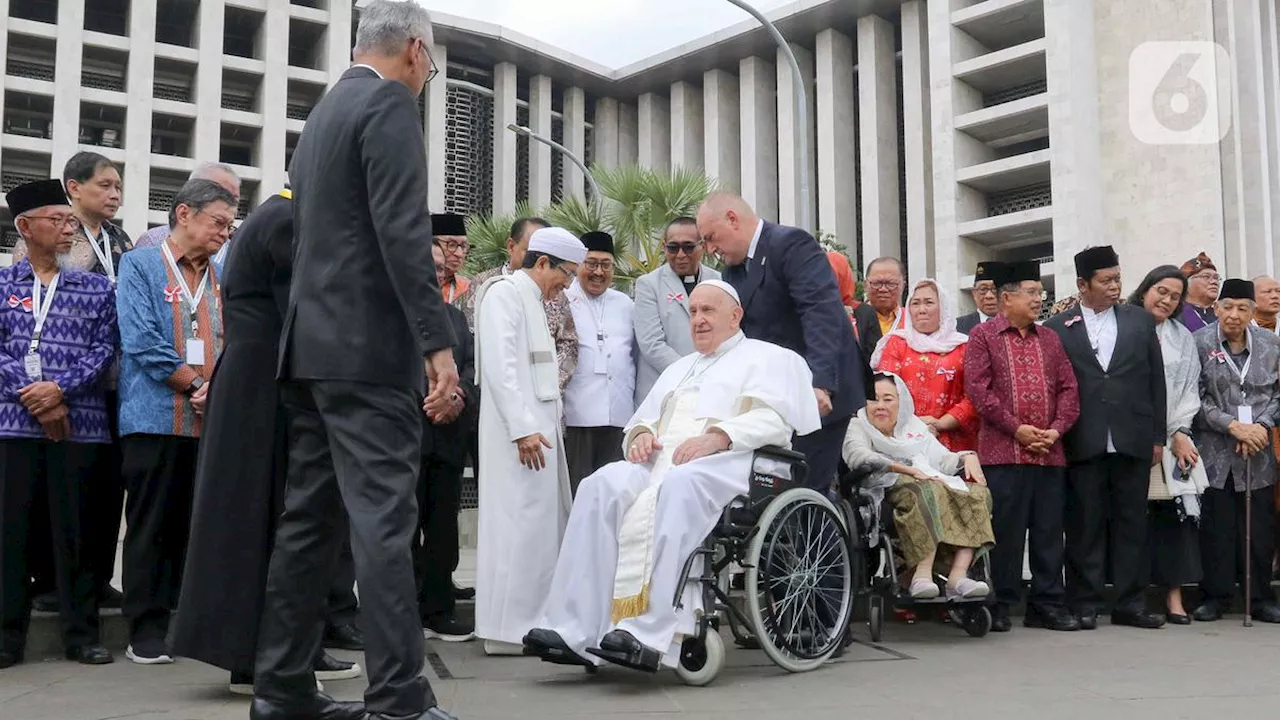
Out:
{"x": 524, "y": 480}
{"x": 689, "y": 453}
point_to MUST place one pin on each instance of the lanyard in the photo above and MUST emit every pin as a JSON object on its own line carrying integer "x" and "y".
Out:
{"x": 1240, "y": 371}
{"x": 193, "y": 301}
{"x": 593, "y": 304}
{"x": 40, "y": 310}
{"x": 102, "y": 248}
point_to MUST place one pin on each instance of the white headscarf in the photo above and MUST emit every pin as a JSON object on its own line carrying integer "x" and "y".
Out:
{"x": 943, "y": 341}
{"x": 911, "y": 437}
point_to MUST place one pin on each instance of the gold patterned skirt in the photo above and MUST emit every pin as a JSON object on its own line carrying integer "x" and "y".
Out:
{"x": 929, "y": 516}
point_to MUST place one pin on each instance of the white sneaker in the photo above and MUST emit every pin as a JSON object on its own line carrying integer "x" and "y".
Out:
{"x": 148, "y": 659}
{"x": 924, "y": 589}
{"x": 497, "y": 647}
{"x": 968, "y": 589}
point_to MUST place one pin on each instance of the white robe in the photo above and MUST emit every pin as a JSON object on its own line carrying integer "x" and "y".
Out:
{"x": 758, "y": 395}
{"x": 522, "y": 512}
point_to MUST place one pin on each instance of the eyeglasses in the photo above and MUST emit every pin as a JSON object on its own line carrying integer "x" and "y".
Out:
{"x": 884, "y": 284}
{"x": 603, "y": 265}
{"x": 985, "y": 290}
{"x": 454, "y": 246}
{"x": 70, "y": 221}
{"x": 1207, "y": 277}
{"x": 686, "y": 248}
{"x": 431, "y": 74}
{"x": 565, "y": 270}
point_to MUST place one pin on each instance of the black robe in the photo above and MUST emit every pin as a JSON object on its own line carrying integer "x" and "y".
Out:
{"x": 240, "y": 478}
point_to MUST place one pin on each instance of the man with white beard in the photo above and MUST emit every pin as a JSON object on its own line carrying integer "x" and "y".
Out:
{"x": 524, "y": 479}
{"x": 689, "y": 454}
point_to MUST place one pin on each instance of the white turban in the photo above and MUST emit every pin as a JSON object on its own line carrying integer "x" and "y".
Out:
{"x": 558, "y": 243}
{"x": 723, "y": 286}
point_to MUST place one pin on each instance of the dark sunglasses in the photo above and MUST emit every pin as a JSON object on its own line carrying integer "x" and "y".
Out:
{"x": 675, "y": 248}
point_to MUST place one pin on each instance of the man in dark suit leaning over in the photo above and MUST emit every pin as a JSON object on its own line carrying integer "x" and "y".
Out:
{"x": 365, "y": 316}
{"x": 790, "y": 298}
{"x": 1121, "y": 432}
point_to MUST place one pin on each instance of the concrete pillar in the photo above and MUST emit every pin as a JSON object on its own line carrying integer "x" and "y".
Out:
{"x": 721, "y": 119}
{"x": 791, "y": 136}
{"x": 947, "y": 250}
{"x": 338, "y": 40}
{"x": 137, "y": 123}
{"x": 504, "y": 141}
{"x": 4, "y": 46}
{"x": 686, "y": 125}
{"x": 66, "y": 85}
{"x": 878, "y": 135}
{"x": 837, "y": 154}
{"x": 628, "y": 134}
{"x": 275, "y": 85}
{"x": 540, "y": 153}
{"x": 208, "y": 136}
{"x": 436, "y": 131}
{"x": 604, "y": 133}
{"x": 757, "y": 89}
{"x": 574, "y": 115}
{"x": 917, "y": 140}
{"x": 654, "y": 132}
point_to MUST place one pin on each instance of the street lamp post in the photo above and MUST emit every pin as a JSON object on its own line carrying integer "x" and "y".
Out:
{"x": 595, "y": 189}
{"x": 802, "y": 111}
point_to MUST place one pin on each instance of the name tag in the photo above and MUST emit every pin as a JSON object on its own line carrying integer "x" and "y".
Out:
{"x": 195, "y": 351}
{"x": 1244, "y": 414}
{"x": 31, "y": 362}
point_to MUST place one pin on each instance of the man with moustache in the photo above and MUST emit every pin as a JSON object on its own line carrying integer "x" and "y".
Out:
{"x": 450, "y": 235}
{"x": 986, "y": 296}
{"x": 1203, "y": 282}
{"x": 1115, "y": 354}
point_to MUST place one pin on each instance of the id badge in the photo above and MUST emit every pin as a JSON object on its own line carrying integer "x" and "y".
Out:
{"x": 195, "y": 351}
{"x": 1244, "y": 414}
{"x": 32, "y": 364}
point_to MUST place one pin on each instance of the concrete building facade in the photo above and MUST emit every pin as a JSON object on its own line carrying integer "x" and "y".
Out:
{"x": 943, "y": 132}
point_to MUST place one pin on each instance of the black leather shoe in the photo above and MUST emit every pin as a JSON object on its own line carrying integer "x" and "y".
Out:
{"x": 434, "y": 713}
{"x": 344, "y": 637}
{"x": 1266, "y": 612}
{"x": 328, "y": 667}
{"x": 9, "y": 658}
{"x": 1176, "y": 619}
{"x": 94, "y": 654}
{"x": 317, "y": 707}
{"x": 1208, "y": 611}
{"x": 46, "y": 603}
{"x": 1057, "y": 619}
{"x": 1088, "y": 619}
{"x": 1139, "y": 619}
{"x": 110, "y": 597}
{"x": 1000, "y": 621}
{"x": 461, "y": 593}
{"x": 550, "y": 647}
{"x": 622, "y": 648}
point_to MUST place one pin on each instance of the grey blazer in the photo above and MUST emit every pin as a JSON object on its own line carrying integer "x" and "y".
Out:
{"x": 1221, "y": 396}
{"x": 662, "y": 323}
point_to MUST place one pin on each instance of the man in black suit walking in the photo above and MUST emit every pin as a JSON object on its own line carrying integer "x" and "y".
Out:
{"x": 790, "y": 298}
{"x": 365, "y": 316}
{"x": 1121, "y": 432}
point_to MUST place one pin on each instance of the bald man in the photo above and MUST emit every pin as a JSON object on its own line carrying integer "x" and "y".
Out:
{"x": 696, "y": 443}
{"x": 1266, "y": 296}
{"x": 790, "y": 298}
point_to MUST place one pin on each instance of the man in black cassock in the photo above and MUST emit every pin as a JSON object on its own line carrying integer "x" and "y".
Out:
{"x": 240, "y": 474}
{"x": 1121, "y": 432}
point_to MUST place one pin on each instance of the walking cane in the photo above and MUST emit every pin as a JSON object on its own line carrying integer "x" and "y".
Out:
{"x": 1248, "y": 542}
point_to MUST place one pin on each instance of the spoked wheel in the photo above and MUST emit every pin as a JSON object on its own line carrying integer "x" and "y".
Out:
{"x": 875, "y": 617}
{"x": 701, "y": 659}
{"x": 799, "y": 580}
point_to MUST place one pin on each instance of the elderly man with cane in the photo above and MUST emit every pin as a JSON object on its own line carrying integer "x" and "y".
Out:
{"x": 1240, "y": 404}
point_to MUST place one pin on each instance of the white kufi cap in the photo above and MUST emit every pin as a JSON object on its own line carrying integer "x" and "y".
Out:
{"x": 558, "y": 243}
{"x": 723, "y": 286}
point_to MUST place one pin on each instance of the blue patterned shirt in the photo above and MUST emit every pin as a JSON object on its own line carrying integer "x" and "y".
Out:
{"x": 77, "y": 346}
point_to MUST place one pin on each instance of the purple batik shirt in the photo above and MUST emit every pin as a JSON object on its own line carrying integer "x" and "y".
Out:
{"x": 77, "y": 346}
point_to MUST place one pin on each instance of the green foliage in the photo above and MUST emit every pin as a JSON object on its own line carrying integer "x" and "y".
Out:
{"x": 487, "y": 235}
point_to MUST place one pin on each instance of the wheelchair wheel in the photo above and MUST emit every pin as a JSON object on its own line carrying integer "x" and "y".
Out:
{"x": 977, "y": 621}
{"x": 875, "y": 617}
{"x": 799, "y": 580}
{"x": 701, "y": 659}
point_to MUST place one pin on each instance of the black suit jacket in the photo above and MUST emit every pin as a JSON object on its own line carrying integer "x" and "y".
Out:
{"x": 966, "y": 323}
{"x": 790, "y": 298}
{"x": 864, "y": 316}
{"x": 1128, "y": 398}
{"x": 364, "y": 304}
{"x": 450, "y": 442}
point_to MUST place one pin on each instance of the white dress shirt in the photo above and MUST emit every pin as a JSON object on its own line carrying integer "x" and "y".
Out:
{"x": 606, "y": 360}
{"x": 1101, "y": 327}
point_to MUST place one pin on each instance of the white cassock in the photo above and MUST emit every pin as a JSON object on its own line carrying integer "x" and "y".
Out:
{"x": 627, "y": 542}
{"x": 522, "y": 512}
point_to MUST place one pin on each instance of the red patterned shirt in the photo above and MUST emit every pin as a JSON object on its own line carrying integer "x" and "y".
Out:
{"x": 936, "y": 382}
{"x": 1014, "y": 379}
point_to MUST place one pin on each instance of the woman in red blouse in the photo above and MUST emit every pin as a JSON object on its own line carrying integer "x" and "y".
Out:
{"x": 928, "y": 354}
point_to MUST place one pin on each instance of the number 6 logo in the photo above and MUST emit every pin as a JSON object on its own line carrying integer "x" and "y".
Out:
{"x": 1175, "y": 97}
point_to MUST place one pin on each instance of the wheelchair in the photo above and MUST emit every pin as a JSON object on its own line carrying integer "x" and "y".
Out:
{"x": 872, "y": 537}
{"x": 799, "y": 574}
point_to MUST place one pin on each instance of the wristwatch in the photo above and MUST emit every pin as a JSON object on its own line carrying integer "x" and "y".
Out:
{"x": 194, "y": 386}
{"x": 1185, "y": 431}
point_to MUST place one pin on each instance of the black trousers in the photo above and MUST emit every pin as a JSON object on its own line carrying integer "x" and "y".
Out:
{"x": 59, "y": 472}
{"x": 343, "y": 607}
{"x": 1107, "y": 521}
{"x": 1027, "y": 501}
{"x": 587, "y": 449}
{"x": 1222, "y": 543}
{"x": 355, "y": 449}
{"x": 436, "y": 548}
{"x": 160, "y": 474}
{"x": 822, "y": 453}
{"x": 104, "y": 499}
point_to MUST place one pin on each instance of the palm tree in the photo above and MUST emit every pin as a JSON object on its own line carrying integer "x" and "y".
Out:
{"x": 487, "y": 235}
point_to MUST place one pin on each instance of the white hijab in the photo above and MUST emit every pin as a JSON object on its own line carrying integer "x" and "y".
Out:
{"x": 943, "y": 341}
{"x": 911, "y": 437}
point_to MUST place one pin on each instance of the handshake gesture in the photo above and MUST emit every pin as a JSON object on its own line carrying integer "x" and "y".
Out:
{"x": 1035, "y": 440}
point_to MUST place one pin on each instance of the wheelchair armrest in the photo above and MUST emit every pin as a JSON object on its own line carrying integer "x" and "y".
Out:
{"x": 773, "y": 452}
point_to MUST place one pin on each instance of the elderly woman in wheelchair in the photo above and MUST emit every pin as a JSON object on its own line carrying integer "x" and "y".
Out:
{"x": 941, "y": 519}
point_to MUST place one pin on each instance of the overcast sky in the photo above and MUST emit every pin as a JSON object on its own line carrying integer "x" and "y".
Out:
{"x": 613, "y": 33}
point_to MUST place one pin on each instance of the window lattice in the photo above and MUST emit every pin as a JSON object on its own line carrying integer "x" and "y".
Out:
{"x": 468, "y": 182}
{"x": 33, "y": 70}
{"x": 161, "y": 199}
{"x": 11, "y": 179}
{"x": 1019, "y": 199}
{"x": 171, "y": 91}
{"x": 557, "y": 160}
{"x": 522, "y": 156}
{"x": 101, "y": 81}
{"x": 1017, "y": 92}
{"x": 588, "y": 157}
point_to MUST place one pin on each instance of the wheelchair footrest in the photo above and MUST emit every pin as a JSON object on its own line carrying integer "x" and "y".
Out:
{"x": 643, "y": 659}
